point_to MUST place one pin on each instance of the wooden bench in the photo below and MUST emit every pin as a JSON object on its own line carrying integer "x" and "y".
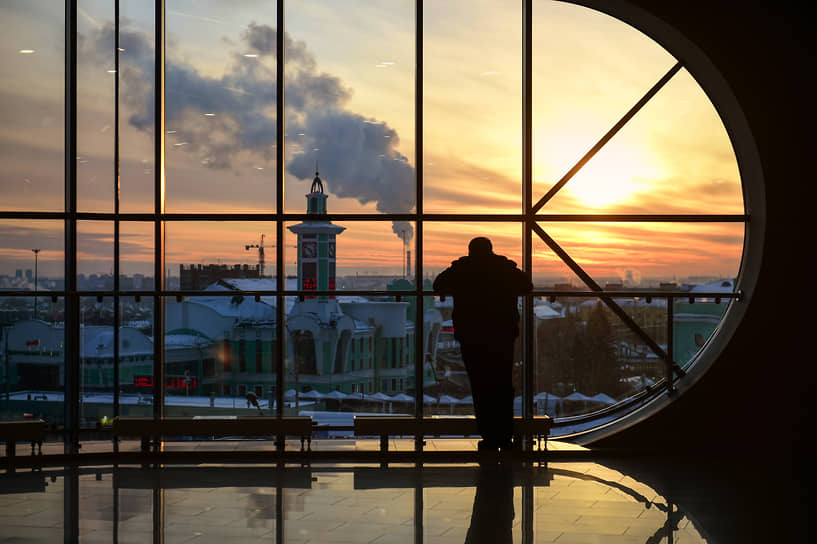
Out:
{"x": 385, "y": 426}
{"x": 153, "y": 431}
{"x": 32, "y": 431}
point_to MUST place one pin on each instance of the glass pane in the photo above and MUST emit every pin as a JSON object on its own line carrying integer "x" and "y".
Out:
{"x": 95, "y": 242}
{"x": 449, "y": 392}
{"x": 587, "y": 358}
{"x": 220, "y": 106}
{"x": 219, "y": 349}
{"x": 31, "y": 91}
{"x": 136, "y": 356}
{"x": 350, "y": 103}
{"x": 353, "y": 255}
{"x": 589, "y": 69}
{"x": 472, "y": 102}
{"x": 695, "y": 320}
{"x": 96, "y": 361}
{"x": 351, "y": 355}
{"x": 673, "y": 157}
{"x": 445, "y": 242}
{"x": 32, "y": 358}
{"x": 32, "y": 255}
{"x": 136, "y": 111}
{"x": 549, "y": 270}
{"x": 201, "y": 253}
{"x": 136, "y": 254}
{"x": 649, "y": 254}
{"x": 96, "y": 74}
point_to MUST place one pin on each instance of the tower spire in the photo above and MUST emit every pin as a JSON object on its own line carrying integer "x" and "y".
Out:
{"x": 317, "y": 184}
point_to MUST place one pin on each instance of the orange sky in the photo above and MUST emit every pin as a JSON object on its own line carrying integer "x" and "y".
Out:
{"x": 673, "y": 157}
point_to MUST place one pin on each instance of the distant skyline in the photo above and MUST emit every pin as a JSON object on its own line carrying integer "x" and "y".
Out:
{"x": 350, "y": 98}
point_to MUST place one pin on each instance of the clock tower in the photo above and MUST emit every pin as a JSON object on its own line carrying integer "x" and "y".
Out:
{"x": 316, "y": 244}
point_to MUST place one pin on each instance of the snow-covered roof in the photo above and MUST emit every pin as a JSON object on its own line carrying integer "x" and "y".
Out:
{"x": 719, "y": 286}
{"x": 246, "y": 308}
{"x": 253, "y": 284}
{"x": 185, "y": 340}
{"x": 545, "y": 311}
{"x": 243, "y": 309}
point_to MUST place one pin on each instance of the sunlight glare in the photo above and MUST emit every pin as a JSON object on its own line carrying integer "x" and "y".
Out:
{"x": 616, "y": 174}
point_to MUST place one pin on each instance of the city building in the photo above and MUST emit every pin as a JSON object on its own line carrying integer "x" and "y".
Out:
{"x": 197, "y": 277}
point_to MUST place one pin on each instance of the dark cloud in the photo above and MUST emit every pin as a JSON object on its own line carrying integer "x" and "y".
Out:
{"x": 262, "y": 40}
{"x": 358, "y": 156}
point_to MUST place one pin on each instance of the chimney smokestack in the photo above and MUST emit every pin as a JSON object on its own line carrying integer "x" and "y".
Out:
{"x": 408, "y": 263}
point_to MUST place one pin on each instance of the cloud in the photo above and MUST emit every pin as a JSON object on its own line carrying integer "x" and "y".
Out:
{"x": 218, "y": 118}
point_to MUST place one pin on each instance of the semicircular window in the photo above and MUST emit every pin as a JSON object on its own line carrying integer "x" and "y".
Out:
{"x": 640, "y": 217}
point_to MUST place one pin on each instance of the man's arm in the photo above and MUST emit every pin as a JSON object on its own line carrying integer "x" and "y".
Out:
{"x": 522, "y": 282}
{"x": 444, "y": 282}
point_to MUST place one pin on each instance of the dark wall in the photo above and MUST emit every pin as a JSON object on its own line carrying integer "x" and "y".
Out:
{"x": 747, "y": 423}
{"x": 760, "y": 393}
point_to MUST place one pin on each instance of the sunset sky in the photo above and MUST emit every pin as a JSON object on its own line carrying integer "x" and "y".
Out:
{"x": 350, "y": 107}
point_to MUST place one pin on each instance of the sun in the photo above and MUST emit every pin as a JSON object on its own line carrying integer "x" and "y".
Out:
{"x": 621, "y": 170}
{"x": 611, "y": 177}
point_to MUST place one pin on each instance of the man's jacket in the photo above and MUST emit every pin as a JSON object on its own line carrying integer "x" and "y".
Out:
{"x": 485, "y": 290}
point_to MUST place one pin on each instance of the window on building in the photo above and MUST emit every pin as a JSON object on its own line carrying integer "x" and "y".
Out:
{"x": 242, "y": 355}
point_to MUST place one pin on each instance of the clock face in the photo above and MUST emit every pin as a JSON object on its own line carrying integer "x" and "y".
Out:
{"x": 332, "y": 249}
{"x": 309, "y": 249}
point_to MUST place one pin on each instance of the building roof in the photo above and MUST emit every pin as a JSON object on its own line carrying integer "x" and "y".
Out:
{"x": 719, "y": 286}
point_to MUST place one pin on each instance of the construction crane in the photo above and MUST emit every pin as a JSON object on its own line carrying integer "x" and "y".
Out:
{"x": 260, "y": 246}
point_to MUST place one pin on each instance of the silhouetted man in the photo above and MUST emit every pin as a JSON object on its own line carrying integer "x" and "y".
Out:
{"x": 485, "y": 287}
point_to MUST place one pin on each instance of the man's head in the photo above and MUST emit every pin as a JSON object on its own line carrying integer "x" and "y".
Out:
{"x": 480, "y": 246}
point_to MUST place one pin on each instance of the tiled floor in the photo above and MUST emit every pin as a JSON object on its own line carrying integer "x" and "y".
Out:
{"x": 565, "y": 502}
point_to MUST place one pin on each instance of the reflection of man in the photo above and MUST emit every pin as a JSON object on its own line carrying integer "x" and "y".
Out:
{"x": 492, "y": 516}
{"x": 485, "y": 287}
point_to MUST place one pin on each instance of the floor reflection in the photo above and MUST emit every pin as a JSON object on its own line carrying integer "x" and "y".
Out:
{"x": 498, "y": 503}
{"x": 493, "y": 513}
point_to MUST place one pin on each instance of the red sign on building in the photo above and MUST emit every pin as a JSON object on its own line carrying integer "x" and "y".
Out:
{"x": 171, "y": 382}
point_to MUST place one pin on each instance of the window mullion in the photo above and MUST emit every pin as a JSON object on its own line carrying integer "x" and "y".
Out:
{"x": 419, "y": 351}
{"x": 527, "y": 201}
{"x": 159, "y": 208}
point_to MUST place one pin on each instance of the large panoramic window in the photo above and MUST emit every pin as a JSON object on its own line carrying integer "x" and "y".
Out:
{"x": 220, "y": 218}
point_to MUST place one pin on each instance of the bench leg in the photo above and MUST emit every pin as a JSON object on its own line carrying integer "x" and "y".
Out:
{"x": 11, "y": 448}
{"x": 384, "y": 448}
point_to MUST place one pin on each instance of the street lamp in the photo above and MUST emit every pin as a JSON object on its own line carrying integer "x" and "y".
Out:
{"x": 36, "y": 271}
